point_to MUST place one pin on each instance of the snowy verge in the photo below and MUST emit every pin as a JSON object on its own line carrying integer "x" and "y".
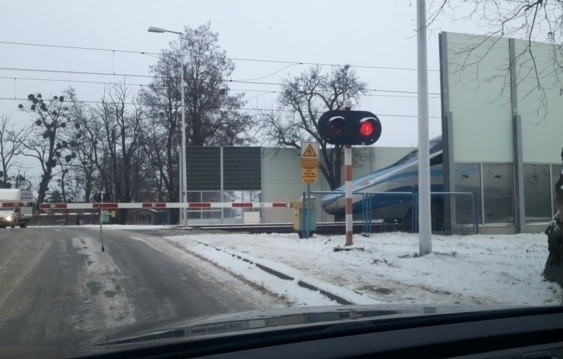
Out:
{"x": 478, "y": 269}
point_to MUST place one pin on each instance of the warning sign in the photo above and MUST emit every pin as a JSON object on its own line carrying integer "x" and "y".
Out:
{"x": 309, "y": 175}
{"x": 310, "y": 152}
{"x": 310, "y": 155}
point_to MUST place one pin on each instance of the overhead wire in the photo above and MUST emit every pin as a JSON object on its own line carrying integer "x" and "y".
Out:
{"x": 95, "y": 73}
{"x": 263, "y": 92}
{"x": 241, "y": 108}
{"x": 230, "y": 58}
{"x": 250, "y": 81}
{"x": 71, "y": 81}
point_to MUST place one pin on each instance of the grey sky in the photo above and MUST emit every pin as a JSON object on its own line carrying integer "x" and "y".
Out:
{"x": 362, "y": 32}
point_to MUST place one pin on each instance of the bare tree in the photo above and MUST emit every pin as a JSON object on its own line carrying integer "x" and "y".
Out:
{"x": 529, "y": 20}
{"x": 11, "y": 146}
{"x": 161, "y": 143}
{"x": 46, "y": 144}
{"x": 121, "y": 129}
{"x": 303, "y": 99}
{"x": 213, "y": 114}
{"x": 532, "y": 20}
{"x": 85, "y": 141}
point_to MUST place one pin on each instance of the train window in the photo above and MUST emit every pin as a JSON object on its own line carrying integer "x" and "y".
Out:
{"x": 410, "y": 157}
{"x": 436, "y": 145}
{"x": 438, "y": 160}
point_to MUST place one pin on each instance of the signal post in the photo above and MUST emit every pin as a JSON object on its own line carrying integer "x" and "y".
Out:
{"x": 346, "y": 127}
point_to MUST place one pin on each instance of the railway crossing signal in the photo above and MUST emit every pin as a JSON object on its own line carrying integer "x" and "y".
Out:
{"x": 342, "y": 127}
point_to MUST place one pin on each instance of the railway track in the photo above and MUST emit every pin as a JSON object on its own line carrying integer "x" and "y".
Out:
{"x": 322, "y": 228}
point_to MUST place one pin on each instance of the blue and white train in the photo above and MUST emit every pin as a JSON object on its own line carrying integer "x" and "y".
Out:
{"x": 401, "y": 176}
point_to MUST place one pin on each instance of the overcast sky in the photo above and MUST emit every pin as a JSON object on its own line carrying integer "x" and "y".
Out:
{"x": 372, "y": 33}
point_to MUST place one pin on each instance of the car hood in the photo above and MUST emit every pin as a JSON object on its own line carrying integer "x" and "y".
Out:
{"x": 302, "y": 321}
{"x": 262, "y": 321}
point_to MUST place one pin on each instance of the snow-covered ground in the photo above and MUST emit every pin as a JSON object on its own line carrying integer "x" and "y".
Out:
{"x": 384, "y": 268}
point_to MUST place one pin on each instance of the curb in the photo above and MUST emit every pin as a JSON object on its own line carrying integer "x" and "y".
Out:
{"x": 284, "y": 276}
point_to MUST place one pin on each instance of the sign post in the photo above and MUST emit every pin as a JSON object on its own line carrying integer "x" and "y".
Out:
{"x": 102, "y": 219}
{"x": 309, "y": 171}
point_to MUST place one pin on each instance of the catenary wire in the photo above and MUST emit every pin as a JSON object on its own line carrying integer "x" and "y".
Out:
{"x": 242, "y": 108}
{"x": 16, "y": 78}
{"x": 230, "y": 58}
{"x": 95, "y": 73}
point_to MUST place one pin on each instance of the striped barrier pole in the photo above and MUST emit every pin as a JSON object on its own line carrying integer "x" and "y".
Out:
{"x": 162, "y": 205}
{"x": 348, "y": 195}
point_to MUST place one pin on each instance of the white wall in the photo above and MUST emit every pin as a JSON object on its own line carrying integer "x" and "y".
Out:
{"x": 479, "y": 98}
{"x": 541, "y": 110}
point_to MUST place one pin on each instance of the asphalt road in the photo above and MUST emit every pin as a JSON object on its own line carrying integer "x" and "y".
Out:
{"x": 56, "y": 283}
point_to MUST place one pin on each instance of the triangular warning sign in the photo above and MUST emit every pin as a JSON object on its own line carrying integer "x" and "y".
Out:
{"x": 309, "y": 152}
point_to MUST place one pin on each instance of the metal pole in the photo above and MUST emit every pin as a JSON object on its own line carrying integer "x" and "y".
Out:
{"x": 222, "y": 178}
{"x": 413, "y": 212}
{"x": 182, "y": 165}
{"x": 365, "y": 205}
{"x": 475, "y": 220}
{"x": 184, "y": 176}
{"x": 180, "y": 188}
{"x": 370, "y": 200}
{"x": 424, "y": 216}
{"x": 520, "y": 210}
{"x": 303, "y": 214}
{"x": 348, "y": 195}
{"x": 307, "y": 214}
{"x": 101, "y": 219}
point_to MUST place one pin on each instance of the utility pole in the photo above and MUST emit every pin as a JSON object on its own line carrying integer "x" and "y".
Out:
{"x": 424, "y": 214}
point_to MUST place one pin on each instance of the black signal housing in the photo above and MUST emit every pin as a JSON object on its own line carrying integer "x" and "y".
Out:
{"x": 342, "y": 127}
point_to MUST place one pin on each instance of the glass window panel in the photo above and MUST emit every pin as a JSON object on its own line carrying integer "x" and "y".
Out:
{"x": 537, "y": 195}
{"x": 498, "y": 190}
{"x": 211, "y": 196}
{"x": 467, "y": 179}
{"x": 438, "y": 160}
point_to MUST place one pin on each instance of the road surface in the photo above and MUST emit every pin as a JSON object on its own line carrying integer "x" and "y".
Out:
{"x": 55, "y": 282}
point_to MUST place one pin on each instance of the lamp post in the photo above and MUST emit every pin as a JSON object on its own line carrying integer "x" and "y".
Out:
{"x": 182, "y": 164}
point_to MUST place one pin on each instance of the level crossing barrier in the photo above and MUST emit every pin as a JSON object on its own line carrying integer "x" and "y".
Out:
{"x": 161, "y": 205}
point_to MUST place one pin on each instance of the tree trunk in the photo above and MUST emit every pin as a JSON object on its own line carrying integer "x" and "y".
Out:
{"x": 553, "y": 271}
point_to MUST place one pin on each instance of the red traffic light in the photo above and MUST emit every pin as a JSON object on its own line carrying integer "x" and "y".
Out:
{"x": 339, "y": 127}
{"x": 367, "y": 128}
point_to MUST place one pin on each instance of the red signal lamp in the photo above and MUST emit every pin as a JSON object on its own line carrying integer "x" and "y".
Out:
{"x": 367, "y": 129}
{"x": 342, "y": 127}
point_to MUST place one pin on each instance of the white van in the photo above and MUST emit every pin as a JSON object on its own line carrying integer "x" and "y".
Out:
{"x": 15, "y": 207}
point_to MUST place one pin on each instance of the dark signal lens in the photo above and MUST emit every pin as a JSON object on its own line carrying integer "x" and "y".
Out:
{"x": 336, "y": 129}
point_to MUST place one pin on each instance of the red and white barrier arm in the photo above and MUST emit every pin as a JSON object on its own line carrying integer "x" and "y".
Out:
{"x": 15, "y": 204}
{"x": 161, "y": 205}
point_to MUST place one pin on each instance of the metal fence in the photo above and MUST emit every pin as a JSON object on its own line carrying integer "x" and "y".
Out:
{"x": 399, "y": 210}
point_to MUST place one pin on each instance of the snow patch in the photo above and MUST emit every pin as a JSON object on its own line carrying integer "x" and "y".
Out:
{"x": 106, "y": 298}
{"x": 477, "y": 269}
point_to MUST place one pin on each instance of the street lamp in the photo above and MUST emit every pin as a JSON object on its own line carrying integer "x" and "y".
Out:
{"x": 182, "y": 165}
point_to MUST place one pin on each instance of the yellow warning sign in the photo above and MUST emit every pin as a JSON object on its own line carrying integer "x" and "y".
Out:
{"x": 310, "y": 162}
{"x": 310, "y": 155}
{"x": 309, "y": 152}
{"x": 309, "y": 175}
